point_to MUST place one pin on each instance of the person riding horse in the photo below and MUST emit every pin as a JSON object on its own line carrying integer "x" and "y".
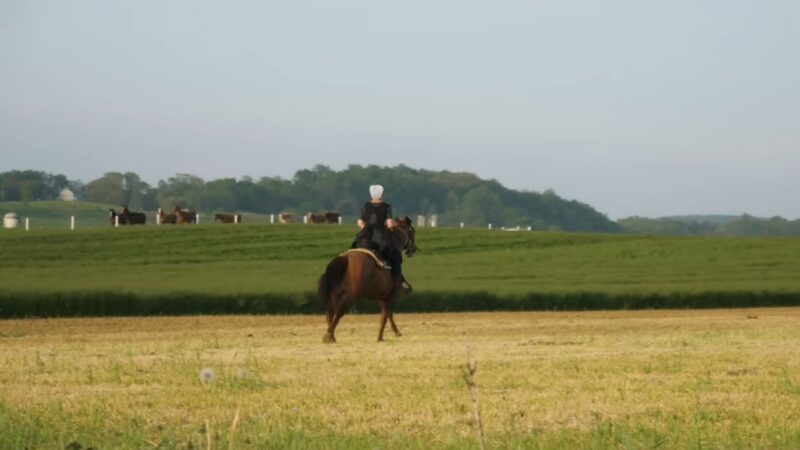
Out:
{"x": 375, "y": 225}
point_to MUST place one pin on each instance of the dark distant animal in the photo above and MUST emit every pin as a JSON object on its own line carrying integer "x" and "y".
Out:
{"x": 332, "y": 217}
{"x": 326, "y": 217}
{"x": 357, "y": 274}
{"x": 127, "y": 217}
{"x": 166, "y": 218}
{"x": 184, "y": 215}
{"x": 314, "y": 218}
{"x": 228, "y": 218}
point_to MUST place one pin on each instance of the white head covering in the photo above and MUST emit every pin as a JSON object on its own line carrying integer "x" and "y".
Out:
{"x": 376, "y": 191}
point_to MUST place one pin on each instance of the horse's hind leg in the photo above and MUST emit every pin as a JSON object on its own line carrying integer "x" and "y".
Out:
{"x": 336, "y": 316}
{"x": 328, "y": 338}
{"x": 394, "y": 326}
{"x": 384, "y": 316}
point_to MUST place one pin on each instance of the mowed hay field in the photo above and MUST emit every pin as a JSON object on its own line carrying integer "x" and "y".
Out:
{"x": 252, "y": 268}
{"x": 628, "y": 379}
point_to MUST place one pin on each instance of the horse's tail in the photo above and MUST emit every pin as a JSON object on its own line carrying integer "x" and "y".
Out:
{"x": 331, "y": 279}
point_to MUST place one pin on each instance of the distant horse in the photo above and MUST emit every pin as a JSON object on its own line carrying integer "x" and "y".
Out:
{"x": 127, "y": 217}
{"x": 228, "y": 218}
{"x": 356, "y": 274}
{"x": 331, "y": 217}
{"x": 285, "y": 217}
{"x": 166, "y": 218}
{"x": 326, "y": 217}
{"x": 315, "y": 218}
{"x": 184, "y": 215}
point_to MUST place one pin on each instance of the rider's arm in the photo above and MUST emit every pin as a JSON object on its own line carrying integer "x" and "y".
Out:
{"x": 361, "y": 222}
{"x": 389, "y": 220}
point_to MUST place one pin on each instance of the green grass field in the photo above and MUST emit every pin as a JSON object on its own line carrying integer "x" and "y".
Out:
{"x": 263, "y": 268}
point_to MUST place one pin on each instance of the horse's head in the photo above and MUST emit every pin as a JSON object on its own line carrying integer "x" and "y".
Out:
{"x": 408, "y": 236}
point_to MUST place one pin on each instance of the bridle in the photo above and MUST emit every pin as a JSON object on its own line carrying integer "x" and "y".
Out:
{"x": 406, "y": 239}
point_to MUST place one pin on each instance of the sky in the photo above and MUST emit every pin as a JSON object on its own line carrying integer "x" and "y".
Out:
{"x": 636, "y": 108}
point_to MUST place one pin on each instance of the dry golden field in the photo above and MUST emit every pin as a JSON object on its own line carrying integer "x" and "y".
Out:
{"x": 645, "y": 379}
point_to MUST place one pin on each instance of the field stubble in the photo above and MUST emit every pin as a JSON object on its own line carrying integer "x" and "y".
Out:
{"x": 675, "y": 379}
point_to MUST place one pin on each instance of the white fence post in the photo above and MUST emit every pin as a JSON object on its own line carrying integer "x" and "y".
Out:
{"x": 235, "y": 218}
{"x": 197, "y": 219}
{"x": 490, "y": 226}
{"x": 116, "y": 221}
{"x": 272, "y": 218}
{"x": 158, "y": 217}
{"x": 462, "y": 224}
{"x": 340, "y": 220}
{"x": 529, "y": 228}
{"x": 27, "y": 224}
{"x": 305, "y": 219}
{"x": 71, "y": 222}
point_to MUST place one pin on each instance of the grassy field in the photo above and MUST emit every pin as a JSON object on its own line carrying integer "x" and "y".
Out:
{"x": 262, "y": 268}
{"x": 637, "y": 379}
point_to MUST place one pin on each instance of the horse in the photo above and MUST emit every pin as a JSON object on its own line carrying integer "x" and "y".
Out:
{"x": 285, "y": 218}
{"x": 326, "y": 217}
{"x": 126, "y": 217}
{"x": 166, "y": 218}
{"x": 356, "y": 274}
{"x": 315, "y": 218}
{"x": 331, "y": 217}
{"x": 184, "y": 215}
{"x": 228, "y": 218}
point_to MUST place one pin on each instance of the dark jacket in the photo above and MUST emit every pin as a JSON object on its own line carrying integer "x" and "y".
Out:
{"x": 376, "y": 234}
{"x": 374, "y": 216}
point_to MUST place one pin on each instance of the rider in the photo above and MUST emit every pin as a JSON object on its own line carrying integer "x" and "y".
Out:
{"x": 375, "y": 223}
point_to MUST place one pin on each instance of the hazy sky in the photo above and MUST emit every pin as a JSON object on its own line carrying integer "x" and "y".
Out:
{"x": 636, "y": 107}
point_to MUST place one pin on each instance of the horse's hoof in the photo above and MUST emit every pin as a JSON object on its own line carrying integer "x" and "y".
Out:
{"x": 398, "y": 334}
{"x": 380, "y": 339}
{"x": 328, "y": 339}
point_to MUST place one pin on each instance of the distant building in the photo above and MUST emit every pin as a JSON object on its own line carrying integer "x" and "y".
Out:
{"x": 67, "y": 195}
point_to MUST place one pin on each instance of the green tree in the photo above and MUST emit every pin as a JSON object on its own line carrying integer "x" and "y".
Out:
{"x": 108, "y": 189}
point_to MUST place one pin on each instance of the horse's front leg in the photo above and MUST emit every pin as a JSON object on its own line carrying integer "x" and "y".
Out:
{"x": 384, "y": 316}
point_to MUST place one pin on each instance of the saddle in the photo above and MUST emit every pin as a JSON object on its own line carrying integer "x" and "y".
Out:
{"x": 368, "y": 248}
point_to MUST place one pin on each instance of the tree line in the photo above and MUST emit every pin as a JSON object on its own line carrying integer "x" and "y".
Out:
{"x": 744, "y": 225}
{"x": 452, "y": 196}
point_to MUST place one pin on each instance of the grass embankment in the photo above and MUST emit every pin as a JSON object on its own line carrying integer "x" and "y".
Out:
{"x": 601, "y": 380}
{"x": 260, "y": 268}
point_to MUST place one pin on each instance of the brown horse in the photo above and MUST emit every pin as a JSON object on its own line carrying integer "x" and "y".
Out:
{"x": 184, "y": 215}
{"x": 355, "y": 274}
{"x": 164, "y": 218}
